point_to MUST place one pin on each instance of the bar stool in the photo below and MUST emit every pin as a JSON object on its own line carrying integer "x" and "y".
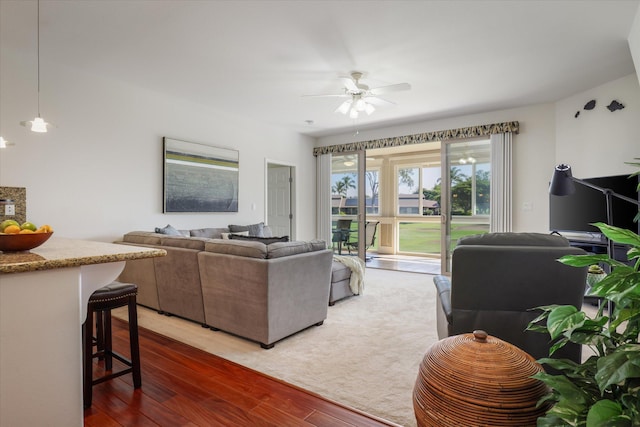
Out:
{"x": 101, "y": 303}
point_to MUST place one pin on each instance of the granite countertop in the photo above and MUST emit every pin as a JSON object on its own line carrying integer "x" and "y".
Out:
{"x": 59, "y": 252}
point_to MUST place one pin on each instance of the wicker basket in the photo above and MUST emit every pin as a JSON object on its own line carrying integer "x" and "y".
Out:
{"x": 477, "y": 380}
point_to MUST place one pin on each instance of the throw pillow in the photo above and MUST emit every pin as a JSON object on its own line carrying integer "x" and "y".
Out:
{"x": 168, "y": 230}
{"x": 253, "y": 229}
{"x": 209, "y": 233}
{"x": 265, "y": 240}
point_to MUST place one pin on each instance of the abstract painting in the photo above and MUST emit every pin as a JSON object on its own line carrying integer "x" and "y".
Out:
{"x": 200, "y": 177}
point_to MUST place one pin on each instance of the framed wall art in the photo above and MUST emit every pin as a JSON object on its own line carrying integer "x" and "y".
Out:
{"x": 199, "y": 177}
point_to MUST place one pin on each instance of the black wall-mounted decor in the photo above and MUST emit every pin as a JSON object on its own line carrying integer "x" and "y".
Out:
{"x": 614, "y": 106}
{"x": 590, "y": 105}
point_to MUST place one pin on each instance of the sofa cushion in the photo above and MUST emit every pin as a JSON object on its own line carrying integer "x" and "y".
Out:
{"x": 184, "y": 242}
{"x": 265, "y": 240}
{"x": 142, "y": 237}
{"x": 339, "y": 272}
{"x": 514, "y": 239}
{"x": 253, "y": 229}
{"x": 209, "y": 233}
{"x": 266, "y": 231}
{"x": 318, "y": 245}
{"x": 237, "y": 247}
{"x": 168, "y": 230}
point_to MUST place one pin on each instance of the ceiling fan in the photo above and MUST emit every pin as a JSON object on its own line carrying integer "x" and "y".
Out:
{"x": 361, "y": 97}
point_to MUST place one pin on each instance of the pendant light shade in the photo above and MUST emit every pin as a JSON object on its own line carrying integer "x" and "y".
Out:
{"x": 3, "y": 142}
{"x": 37, "y": 124}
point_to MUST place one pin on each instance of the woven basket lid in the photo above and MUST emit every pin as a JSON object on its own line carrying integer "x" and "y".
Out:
{"x": 477, "y": 380}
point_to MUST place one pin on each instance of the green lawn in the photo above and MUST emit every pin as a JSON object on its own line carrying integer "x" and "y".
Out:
{"x": 425, "y": 237}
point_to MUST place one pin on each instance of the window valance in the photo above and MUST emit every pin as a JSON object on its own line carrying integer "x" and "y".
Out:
{"x": 467, "y": 132}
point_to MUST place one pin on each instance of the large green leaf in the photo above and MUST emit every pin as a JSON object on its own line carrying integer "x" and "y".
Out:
{"x": 619, "y": 235}
{"x": 551, "y": 420}
{"x": 607, "y": 413}
{"x": 563, "y": 318}
{"x": 583, "y": 260}
{"x": 570, "y": 395}
{"x": 617, "y": 367}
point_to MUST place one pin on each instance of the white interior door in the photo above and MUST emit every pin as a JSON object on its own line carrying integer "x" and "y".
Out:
{"x": 279, "y": 212}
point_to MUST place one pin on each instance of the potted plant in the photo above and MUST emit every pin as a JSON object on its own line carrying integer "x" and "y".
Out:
{"x": 603, "y": 390}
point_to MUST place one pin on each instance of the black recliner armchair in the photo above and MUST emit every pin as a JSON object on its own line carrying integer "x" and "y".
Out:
{"x": 497, "y": 278}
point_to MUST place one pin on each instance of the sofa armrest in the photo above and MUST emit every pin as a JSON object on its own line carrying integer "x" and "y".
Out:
{"x": 443, "y": 285}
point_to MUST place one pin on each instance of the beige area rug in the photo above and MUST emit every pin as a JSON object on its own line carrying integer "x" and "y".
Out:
{"x": 365, "y": 355}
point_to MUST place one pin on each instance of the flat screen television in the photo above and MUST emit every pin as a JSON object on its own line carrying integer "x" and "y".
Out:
{"x": 572, "y": 215}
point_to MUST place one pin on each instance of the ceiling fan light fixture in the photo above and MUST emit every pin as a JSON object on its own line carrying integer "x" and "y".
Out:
{"x": 369, "y": 109}
{"x": 362, "y": 98}
{"x": 344, "y": 107}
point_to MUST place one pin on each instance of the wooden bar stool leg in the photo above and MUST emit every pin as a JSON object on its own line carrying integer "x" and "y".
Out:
{"x": 134, "y": 343}
{"x": 87, "y": 363}
{"x": 108, "y": 340}
{"x": 99, "y": 334}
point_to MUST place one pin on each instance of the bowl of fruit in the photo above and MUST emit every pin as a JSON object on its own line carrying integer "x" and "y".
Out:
{"x": 15, "y": 237}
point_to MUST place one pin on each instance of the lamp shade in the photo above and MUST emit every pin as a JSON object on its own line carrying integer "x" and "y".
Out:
{"x": 562, "y": 181}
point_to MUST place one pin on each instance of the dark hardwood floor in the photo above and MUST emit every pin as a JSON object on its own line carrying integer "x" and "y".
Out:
{"x": 184, "y": 386}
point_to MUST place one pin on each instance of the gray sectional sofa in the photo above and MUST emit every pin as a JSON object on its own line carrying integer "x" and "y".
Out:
{"x": 263, "y": 290}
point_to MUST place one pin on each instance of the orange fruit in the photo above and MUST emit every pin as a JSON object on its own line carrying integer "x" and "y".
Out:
{"x": 12, "y": 229}
{"x": 26, "y": 231}
{"x": 44, "y": 229}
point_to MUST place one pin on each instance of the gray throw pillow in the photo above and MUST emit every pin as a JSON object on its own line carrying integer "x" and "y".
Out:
{"x": 253, "y": 229}
{"x": 209, "y": 233}
{"x": 168, "y": 230}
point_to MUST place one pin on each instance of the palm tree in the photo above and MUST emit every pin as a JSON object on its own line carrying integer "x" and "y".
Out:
{"x": 343, "y": 185}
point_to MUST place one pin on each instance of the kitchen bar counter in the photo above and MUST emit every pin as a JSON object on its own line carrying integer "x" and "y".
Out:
{"x": 59, "y": 252}
{"x": 43, "y": 303}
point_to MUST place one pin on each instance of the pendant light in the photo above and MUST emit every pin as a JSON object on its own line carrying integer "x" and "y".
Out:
{"x": 37, "y": 124}
{"x": 3, "y": 142}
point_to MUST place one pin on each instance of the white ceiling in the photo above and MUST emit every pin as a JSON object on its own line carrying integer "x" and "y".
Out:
{"x": 257, "y": 58}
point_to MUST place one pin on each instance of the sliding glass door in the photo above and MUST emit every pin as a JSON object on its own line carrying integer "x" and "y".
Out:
{"x": 348, "y": 198}
{"x": 466, "y": 177}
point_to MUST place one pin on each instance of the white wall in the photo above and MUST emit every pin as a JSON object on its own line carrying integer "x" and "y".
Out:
{"x": 634, "y": 41}
{"x": 599, "y": 142}
{"x": 98, "y": 174}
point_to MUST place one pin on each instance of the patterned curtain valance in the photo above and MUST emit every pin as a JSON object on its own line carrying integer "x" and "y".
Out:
{"x": 468, "y": 132}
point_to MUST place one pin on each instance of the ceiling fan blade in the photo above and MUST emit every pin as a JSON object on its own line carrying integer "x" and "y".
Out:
{"x": 391, "y": 88}
{"x": 377, "y": 101}
{"x": 349, "y": 84}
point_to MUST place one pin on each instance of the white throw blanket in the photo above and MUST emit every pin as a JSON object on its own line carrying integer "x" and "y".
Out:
{"x": 356, "y": 283}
